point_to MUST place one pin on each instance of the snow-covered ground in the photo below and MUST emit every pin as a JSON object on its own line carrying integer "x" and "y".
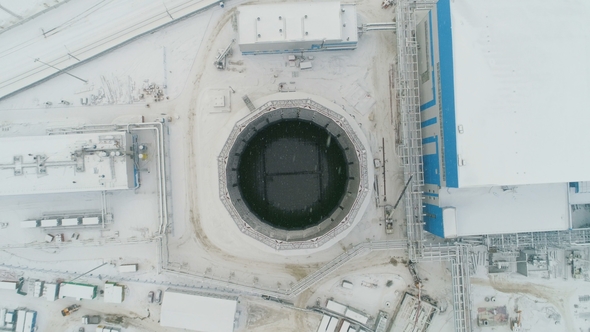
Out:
{"x": 204, "y": 243}
{"x": 14, "y": 13}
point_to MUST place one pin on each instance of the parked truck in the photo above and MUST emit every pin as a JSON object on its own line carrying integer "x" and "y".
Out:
{"x": 94, "y": 319}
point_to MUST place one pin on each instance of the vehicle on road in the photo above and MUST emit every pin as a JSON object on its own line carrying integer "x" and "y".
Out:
{"x": 151, "y": 297}
{"x": 67, "y": 311}
{"x": 158, "y": 298}
{"x": 94, "y": 319}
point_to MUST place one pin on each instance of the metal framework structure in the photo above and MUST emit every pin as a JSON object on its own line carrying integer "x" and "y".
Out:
{"x": 408, "y": 94}
{"x": 555, "y": 239}
{"x": 461, "y": 288}
{"x": 361, "y": 153}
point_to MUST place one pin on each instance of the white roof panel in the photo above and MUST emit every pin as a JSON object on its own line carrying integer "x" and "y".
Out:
{"x": 49, "y": 223}
{"x": 336, "y": 307}
{"x": 126, "y": 268}
{"x": 51, "y": 292}
{"x": 90, "y": 221}
{"x": 65, "y": 163}
{"x": 78, "y": 291}
{"x": 113, "y": 293}
{"x": 520, "y": 84}
{"x": 324, "y": 323}
{"x": 332, "y": 326}
{"x": 28, "y": 224}
{"x": 289, "y": 22}
{"x": 70, "y": 221}
{"x": 197, "y": 313}
{"x": 345, "y": 326}
{"x": 357, "y": 316}
{"x": 531, "y": 208}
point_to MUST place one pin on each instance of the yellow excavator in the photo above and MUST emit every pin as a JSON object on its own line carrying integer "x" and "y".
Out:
{"x": 67, "y": 311}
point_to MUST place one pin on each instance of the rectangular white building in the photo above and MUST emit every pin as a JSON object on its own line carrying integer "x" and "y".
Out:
{"x": 77, "y": 291}
{"x": 297, "y": 27}
{"x": 70, "y": 221}
{"x": 198, "y": 313}
{"x": 336, "y": 307}
{"x": 90, "y": 221}
{"x": 502, "y": 116}
{"x": 113, "y": 293}
{"x": 51, "y": 291}
{"x": 10, "y": 285}
{"x": 66, "y": 163}
{"x": 29, "y": 223}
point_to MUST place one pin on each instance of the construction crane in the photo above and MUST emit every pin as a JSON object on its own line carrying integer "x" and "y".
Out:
{"x": 220, "y": 61}
{"x": 389, "y": 209}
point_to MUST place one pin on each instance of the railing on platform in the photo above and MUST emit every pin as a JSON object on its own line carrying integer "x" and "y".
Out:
{"x": 408, "y": 94}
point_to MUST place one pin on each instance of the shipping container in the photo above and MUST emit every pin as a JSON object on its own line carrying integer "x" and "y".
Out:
{"x": 49, "y": 223}
{"x": 126, "y": 268}
{"x": 90, "y": 221}
{"x": 20, "y": 320}
{"x": 333, "y": 324}
{"x": 29, "y": 224}
{"x": 30, "y": 321}
{"x": 70, "y": 221}
{"x": 12, "y": 285}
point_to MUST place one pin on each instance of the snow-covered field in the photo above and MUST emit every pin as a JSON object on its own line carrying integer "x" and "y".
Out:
{"x": 204, "y": 243}
{"x": 19, "y": 12}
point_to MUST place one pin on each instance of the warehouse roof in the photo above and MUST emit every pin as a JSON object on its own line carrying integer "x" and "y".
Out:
{"x": 269, "y": 23}
{"x": 78, "y": 291}
{"x": 520, "y": 87}
{"x": 197, "y": 313}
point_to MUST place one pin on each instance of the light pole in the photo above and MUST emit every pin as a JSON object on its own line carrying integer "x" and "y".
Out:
{"x": 83, "y": 80}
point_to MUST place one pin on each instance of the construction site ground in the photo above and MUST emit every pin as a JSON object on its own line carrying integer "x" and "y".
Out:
{"x": 204, "y": 245}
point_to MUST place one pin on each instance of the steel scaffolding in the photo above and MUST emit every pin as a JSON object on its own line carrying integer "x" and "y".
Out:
{"x": 407, "y": 89}
{"x": 555, "y": 239}
{"x": 461, "y": 288}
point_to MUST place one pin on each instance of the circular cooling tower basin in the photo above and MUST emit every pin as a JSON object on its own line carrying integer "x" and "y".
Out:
{"x": 293, "y": 175}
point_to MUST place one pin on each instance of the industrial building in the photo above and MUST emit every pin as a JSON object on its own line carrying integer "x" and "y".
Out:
{"x": 198, "y": 313}
{"x": 502, "y": 120}
{"x": 113, "y": 293}
{"x": 77, "y": 291}
{"x": 297, "y": 27}
{"x": 66, "y": 163}
{"x": 413, "y": 314}
{"x": 19, "y": 320}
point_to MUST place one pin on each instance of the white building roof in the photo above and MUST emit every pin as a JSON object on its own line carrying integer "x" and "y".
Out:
{"x": 197, "y": 313}
{"x": 521, "y": 85}
{"x": 336, "y": 307}
{"x": 357, "y": 316}
{"x": 495, "y": 210}
{"x": 324, "y": 323}
{"x": 65, "y": 163}
{"x": 113, "y": 293}
{"x": 51, "y": 292}
{"x": 77, "y": 291}
{"x": 270, "y": 23}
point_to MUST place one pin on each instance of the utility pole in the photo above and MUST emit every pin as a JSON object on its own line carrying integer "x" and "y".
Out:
{"x": 83, "y": 80}
{"x": 85, "y": 273}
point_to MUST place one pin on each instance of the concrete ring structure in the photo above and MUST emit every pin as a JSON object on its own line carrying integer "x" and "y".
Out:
{"x": 355, "y": 197}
